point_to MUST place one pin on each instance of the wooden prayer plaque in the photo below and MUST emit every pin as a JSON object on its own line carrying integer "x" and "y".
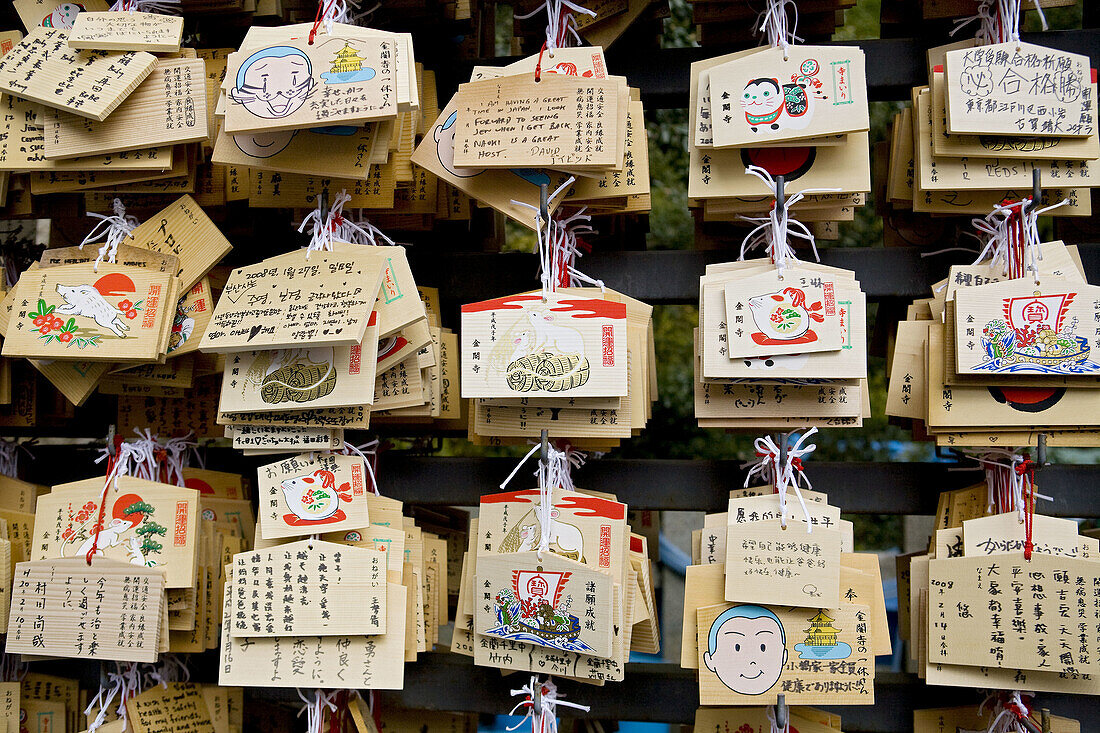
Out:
{"x": 311, "y": 493}
{"x": 168, "y": 108}
{"x": 512, "y": 122}
{"x": 179, "y": 707}
{"x": 182, "y": 229}
{"x": 1008, "y": 612}
{"x": 320, "y": 589}
{"x": 1020, "y": 327}
{"x": 145, "y": 523}
{"x": 116, "y": 314}
{"x": 762, "y": 97}
{"x": 127, "y": 31}
{"x": 66, "y": 608}
{"x": 770, "y": 565}
{"x": 520, "y": 346}
{"x": 295, "y": 379}
{"x": 749, "y": 654}
{"x": 1018, "y": 89}
{"x": 91, "y": 83}
{"x": 361, "y": 662}
{"x": 553, "y": 602}
{"x": 293, "y": 85}
{"x": 777, "y": 313}
{"x": 319, "y": 298}
{"x": 53, "y": 13}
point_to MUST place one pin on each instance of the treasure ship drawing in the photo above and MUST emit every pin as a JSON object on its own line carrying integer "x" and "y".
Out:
{"x": 532, "y": 611}
{"x": 1035, "y": 335}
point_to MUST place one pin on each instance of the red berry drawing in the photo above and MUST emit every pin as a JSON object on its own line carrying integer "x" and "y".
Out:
{"x": 131, "y": 313}
{"x": 45, "y": 329}
{"x": 56, "y": 322}
{"x": 125, "y": 305}
{"x": 65, "y": 338}
{"x": 41, "y": 320}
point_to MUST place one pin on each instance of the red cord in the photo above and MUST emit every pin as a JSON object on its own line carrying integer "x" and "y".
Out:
{"x": 1027, "y": 471}
{"x": 103, "y": 501}
{"x": 316, "y": 22}
{"x": 538, "y": 64}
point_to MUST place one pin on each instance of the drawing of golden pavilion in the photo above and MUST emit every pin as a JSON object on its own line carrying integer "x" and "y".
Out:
{"x": 821, "y": 631}
{"x": 347, "y": 60}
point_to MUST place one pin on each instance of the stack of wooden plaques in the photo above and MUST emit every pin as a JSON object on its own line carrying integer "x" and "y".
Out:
{"x": 803, "y": 117}
{"x": 991, "y": 361}
{"x": 597, "y": 137}
{"x": 289, "y": 154}
{"x": 981, "y": 717}
{"x": 363, "y": 625}
{"x": 780, "y": 349}
{"x": 574, "y": 612}
{"x": 969, "y": 141}
{"x": 577, "y": 362}
{"x": 425, "y": 395}
{"x": 993, "y": 602}
{"x": 764, "y": 593}
{"x": 131, "y": 327}
{"x": 314, "y": 340}
{"x": 83, "y": 140}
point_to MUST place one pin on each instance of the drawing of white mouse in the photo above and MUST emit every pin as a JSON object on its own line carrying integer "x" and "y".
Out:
{"x": 109, "y": 536}
{"x": 87, "y": 302}
{"x": 567, "y": 537}
{"x": 783, "y": 316}
{"x": 550, "y": 337}
{"x": 521, "y": 345}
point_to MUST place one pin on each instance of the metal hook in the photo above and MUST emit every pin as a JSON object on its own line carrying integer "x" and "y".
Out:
{"x": 781, "y": 717}
{"x": 1045, "y": 716}
{"x": 544, "y": 202}
{"x": 1029, "y": 725}
{"x": 780, "y": 195}
{"x": 1036, "y": 188}
{"x": 1041, "y": 451}
{"x": 111, "y": 450}
{"x": 536, "y": 693}
{"x": 545, "y": 447}
{"x": 324, "y": 206}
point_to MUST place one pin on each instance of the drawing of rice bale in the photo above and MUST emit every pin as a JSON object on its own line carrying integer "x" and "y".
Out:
{"x": 547, "y": 372}
{"x": 298, "y": 382}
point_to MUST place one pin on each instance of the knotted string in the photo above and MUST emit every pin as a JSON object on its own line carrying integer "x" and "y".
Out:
{"x": 145, "y": 451}
{"x": 775, "y": 26}
{"x": 315, "y": 709}
{"x": 561, "y": 30}
{"x": 178, "y": 452}
{"x": 553, "y": 473}
{"x": 127, "y": 457}
{"x": 771, "y": 468}
{"x": 338, "y": 227}
{"x": 170, "y": 669}
{"x": 567, "y": 247}
{"x": 550, "y": 266}
{"x": 104, "y": 697}
{"x": 164, "y": 7}
{"x": 1008, "y": 710}
{"x": 369, "y": 453}
{"x": 545, "y": 720}
{"x": 113, "y": 229}
{"x": 775, "y": 230}
{"x": 998, "y": 21}
{"x": 1011, "y": 237}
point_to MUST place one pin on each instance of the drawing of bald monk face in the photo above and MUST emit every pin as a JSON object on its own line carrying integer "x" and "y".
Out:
{"x": 747, "y": 649}
{"x": 274, "y": 82}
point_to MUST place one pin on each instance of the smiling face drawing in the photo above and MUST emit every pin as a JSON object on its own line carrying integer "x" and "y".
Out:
{"x": 264, "y": 144}
{"x": 274, "y": 82}
{"x": 444, "y": 136}
{"x": 62, "y": 16}
{"x": 747, "y": 649}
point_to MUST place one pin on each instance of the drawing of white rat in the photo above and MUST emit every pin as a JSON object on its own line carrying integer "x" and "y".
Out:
{"x": 109, "y": 536}
{"x": 566, "y": 536}
{"x": 87, "y": 302}
{"x": 550, "y": 337}
{"x": 521, "y": 345}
